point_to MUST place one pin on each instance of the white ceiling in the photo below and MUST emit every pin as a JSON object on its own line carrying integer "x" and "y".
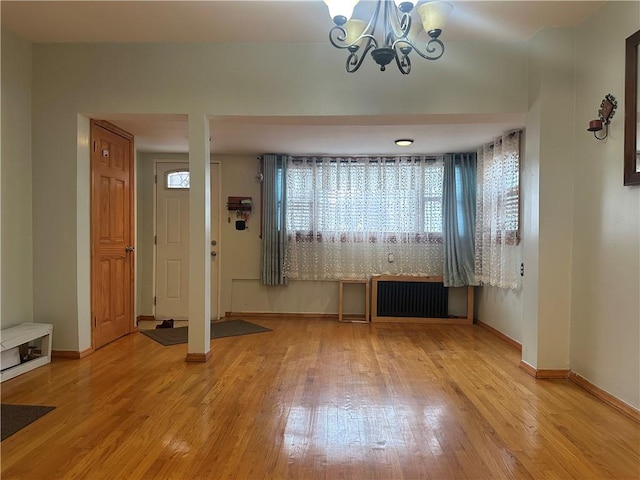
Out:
{"x": 292, "y": 21}
{"x": 261, "y": 20}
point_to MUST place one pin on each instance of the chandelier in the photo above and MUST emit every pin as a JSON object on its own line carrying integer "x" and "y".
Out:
{"x": 400, "y": 34}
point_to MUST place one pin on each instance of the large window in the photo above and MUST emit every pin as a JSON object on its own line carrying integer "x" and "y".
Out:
{"x": 357, "y": 196}
{"x": 353, "y": 217}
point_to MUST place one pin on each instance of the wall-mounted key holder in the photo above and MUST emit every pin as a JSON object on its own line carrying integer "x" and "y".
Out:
{"x": 239, "y": 204}
{"x": 242, "y": 206}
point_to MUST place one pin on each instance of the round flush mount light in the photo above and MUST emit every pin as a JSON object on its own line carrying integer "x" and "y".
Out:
{"x": 404, "y": 142}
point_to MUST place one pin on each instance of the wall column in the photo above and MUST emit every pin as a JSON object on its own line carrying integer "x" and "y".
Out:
{"x": 548, "y": 207}
{"x": 199, "y": 240}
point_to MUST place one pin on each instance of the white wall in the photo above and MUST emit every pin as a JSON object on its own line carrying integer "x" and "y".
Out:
{"x": 605, "y": 320}
{"x": 501, "y": 309}
{"x": 16, "y": 188}
{"x": 287, "y": 79}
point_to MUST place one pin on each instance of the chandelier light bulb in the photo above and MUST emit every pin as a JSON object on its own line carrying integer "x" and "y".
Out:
{"x": 434, "y": 15}
{"x": 340, "y": 10}
{"x": 354, "y": 29}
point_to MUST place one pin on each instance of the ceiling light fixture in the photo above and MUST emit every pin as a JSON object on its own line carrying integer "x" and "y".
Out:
{"x": 404, "y": 142}
{"x": 401, "y": 35}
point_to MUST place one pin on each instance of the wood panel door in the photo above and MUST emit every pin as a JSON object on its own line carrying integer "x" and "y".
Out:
{"x": 112, "y": 251}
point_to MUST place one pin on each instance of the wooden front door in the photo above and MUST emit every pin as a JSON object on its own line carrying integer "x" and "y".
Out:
{"x": 112, "y": 251}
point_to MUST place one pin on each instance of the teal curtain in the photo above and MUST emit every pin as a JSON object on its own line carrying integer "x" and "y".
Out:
{"x": 274, "y": 234}
{"x": 459, "y": 219}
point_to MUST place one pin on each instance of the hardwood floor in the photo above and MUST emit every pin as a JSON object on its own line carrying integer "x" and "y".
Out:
{"x": 315, "y": 399}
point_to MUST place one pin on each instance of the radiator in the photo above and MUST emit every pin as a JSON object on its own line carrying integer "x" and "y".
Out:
{"x": 409, "y": 299}
{"x": 412, "y": 299}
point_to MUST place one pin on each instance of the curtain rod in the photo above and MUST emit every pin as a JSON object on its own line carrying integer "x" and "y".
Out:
{"x": 371, "y": 158}
{"x": 509, "y": 133}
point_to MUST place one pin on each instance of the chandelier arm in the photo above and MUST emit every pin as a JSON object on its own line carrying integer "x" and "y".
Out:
{"x": 397, "y": 23}
{"x": 405, "y": 25}
{"x": 386, "y": 21}
{"x": 338, "y": 34}
{"x": 371, "y": 26}
{"x": 354, "y": 60}
{"x": 342, "y": 36}
{"x": 433, "y": 46}
{"x": 404, "y": 64}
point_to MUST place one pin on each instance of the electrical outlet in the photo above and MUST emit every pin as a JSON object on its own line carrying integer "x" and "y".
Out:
{"x": 522, "y": 269}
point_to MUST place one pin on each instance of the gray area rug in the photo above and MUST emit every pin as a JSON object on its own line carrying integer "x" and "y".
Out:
{"x": 230, "y": 328}
{"x": 16, "y": 417}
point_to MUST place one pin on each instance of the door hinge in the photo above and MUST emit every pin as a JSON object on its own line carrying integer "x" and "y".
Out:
{"x": 155, "y": 239}
{"x": 155, "y": 179}
{"x": 94, "y": 145}
{"x": 154, "y": 300}
{"x": 95, "y": 321}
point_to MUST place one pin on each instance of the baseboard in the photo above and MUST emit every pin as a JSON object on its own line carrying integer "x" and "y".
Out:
{"x": 548, "y": 374}
{"x": 606, "y": 397}
{"x": 499, "y": 334}
{"x": 198, "y": 357}
{"x": 582, "y": 382}
{"x": 422, "y": 320}
{"x": 71, "y": 354}
{"x": 354, "y": 318}
{"x": 544, "y": 374}
{"x": 275, "y": 315}
{"x": 530, "y": 369}
{"x": 145, "y": 318}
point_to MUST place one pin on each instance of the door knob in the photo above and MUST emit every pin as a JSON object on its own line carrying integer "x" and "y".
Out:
{"x": 214, "y": 243}
{"x": 213, "y": 254}
{"x": 129, "y": 248}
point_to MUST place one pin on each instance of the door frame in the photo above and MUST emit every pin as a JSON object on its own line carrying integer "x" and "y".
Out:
{"x": 215, "y": 201}
{"x": 92, "y": 223}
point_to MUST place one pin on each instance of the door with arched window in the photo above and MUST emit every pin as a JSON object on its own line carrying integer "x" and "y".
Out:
{"x": 172, "y": 241}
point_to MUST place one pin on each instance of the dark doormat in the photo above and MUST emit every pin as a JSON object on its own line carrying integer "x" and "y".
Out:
{"x": 16, "y": 417}
{"x": 230, "y": 328}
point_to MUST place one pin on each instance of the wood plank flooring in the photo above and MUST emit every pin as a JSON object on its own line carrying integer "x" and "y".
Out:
{"x": 315, "y": 400}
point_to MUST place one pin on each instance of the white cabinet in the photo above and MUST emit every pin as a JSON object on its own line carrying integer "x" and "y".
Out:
{"x": 26, "y": 333}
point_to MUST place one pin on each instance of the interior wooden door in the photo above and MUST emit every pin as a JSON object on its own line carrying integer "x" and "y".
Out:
{"x": 112, "y": 250}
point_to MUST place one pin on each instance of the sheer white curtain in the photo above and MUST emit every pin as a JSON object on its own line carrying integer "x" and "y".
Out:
{"x": 354, "y": 217}
{"x": 497, "y": 212}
